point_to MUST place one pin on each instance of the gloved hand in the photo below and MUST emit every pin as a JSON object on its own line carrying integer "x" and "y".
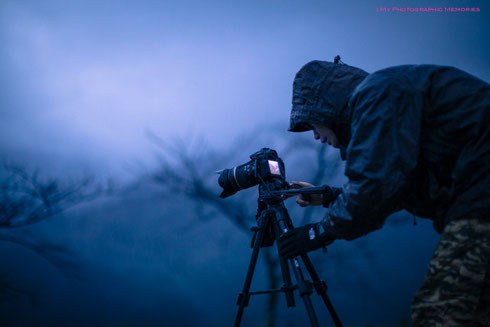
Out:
{"x": 303, "y": 239}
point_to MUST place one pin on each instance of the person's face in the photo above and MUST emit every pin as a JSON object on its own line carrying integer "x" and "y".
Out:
{"x": 325, "y": 135}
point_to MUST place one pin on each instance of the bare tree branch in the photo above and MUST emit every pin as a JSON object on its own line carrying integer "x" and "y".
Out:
{"x": 189, "y": 172}
{"x": 58, "y": 255}
{"x": 8, "y": 292}
{"x": 26, "y": 199}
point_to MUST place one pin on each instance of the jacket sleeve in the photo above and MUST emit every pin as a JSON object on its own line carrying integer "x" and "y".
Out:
{"x": 382, "y": 152}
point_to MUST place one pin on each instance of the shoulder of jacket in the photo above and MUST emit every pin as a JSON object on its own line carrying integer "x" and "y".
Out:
{"x": 385, "y": 77}
{"x": 403, "y": 77}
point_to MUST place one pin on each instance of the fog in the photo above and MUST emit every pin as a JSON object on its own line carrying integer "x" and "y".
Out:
{"x": 85, "y": 84}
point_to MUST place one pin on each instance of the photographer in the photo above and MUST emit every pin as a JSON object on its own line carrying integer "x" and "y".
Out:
{"x": 414, "y": 137}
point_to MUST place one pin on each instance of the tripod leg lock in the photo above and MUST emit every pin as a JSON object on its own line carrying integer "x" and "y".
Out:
{"x": 243, "y": 299}
{"x": 321, "y": 287}
{"x": 305, "y": 287}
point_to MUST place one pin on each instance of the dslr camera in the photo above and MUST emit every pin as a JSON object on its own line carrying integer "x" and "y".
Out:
{"x": 264, "y": 166}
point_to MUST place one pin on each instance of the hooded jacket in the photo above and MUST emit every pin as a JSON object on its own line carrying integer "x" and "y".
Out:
{"x": 416, "y": 137}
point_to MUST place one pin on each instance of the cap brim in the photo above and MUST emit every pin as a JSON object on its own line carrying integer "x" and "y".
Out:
{"x": 300, "y": 127}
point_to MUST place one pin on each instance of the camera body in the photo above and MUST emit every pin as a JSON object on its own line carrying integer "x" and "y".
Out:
{"x": 264, "y": 166}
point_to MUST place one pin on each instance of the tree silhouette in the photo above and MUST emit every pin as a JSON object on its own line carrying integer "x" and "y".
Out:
{"x": 188, "y": 168}
{"x": 26, "y": 198}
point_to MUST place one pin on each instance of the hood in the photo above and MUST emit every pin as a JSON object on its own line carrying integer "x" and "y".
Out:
{"x": 321, "y": 91}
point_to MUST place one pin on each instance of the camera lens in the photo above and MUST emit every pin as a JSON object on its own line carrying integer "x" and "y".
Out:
{"x": 236, "y": 179}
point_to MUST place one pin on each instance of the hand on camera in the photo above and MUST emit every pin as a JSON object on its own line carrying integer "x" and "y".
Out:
{"x": 303, "y": 239}
{"x": 314, "y": 199}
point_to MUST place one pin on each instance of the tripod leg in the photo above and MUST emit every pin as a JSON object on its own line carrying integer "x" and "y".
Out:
{"x": 321, "y": 288}
{"x": 305, "y": 290}
{"x": 286, "y": 275}
{"x": 244, "y": 297}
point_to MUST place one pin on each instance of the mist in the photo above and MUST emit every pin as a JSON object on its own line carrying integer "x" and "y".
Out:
{"x": 87, "y": 90}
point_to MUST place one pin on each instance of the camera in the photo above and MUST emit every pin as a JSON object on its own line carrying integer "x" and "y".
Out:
{"x": 264, "y": 166}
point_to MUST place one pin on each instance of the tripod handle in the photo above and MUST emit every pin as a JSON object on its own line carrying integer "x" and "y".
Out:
{"x": 302, "y": 191}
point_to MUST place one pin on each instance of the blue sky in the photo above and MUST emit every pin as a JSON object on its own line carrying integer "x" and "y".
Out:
{"x": 86, "y": 79}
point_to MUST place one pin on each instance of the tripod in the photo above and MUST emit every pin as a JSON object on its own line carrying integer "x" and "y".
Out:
{"x": 273, "y": 220}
